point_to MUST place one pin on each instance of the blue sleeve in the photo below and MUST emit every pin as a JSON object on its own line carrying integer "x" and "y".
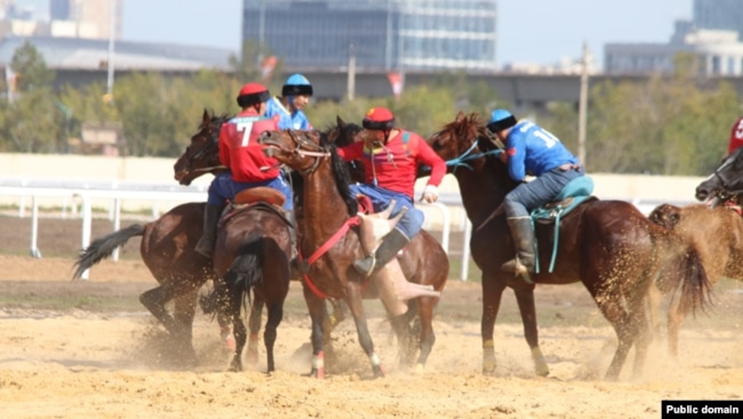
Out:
{"x": 516, "y": 149}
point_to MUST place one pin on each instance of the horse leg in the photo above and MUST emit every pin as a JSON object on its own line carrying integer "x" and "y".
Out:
{"x": 155, "y": 300}
{"x": 254, "y": 325}
{"x": 527, "y": 308}
{"x": 240, "y": 333}
{"x": 492, "y": 291}
{"x": 275, "y": 314}
{"x": 316, "y": 307}
{"x": 183, "y": 313}
{"x": 401, "y": 327}
{"x": 641, "y": 328}
{"x": 427, "y": 337}
{"x": 612, "y": 309}
{"x": 353, "y": 298}
{"x": 675, "y": 317}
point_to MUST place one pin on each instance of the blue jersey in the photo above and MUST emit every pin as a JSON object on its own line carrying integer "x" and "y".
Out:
{"x": 534, "y": 150}
{"x": 289, "y": 120}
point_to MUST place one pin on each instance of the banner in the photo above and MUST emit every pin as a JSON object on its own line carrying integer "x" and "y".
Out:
{"x": 396, "y": 81}
{"x": 267, "y": 67}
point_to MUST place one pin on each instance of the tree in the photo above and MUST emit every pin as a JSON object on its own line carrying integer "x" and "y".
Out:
{"x": 30, "y": 68}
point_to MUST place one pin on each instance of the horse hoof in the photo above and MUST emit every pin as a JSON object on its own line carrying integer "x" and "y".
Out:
{"x": 318, "y": 373}
{"x": 252, "y": 356}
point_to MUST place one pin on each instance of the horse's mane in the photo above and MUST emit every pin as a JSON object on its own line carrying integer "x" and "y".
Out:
{"x": 341, "y": 175}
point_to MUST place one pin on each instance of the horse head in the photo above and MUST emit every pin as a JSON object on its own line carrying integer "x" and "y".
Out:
{"x": 202, "y": 154}
{"x": 465, "y": 142}
{"x": 726, "y": 182}
{"x": 343, "y": 134}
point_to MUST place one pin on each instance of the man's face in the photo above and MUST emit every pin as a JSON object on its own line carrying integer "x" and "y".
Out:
{"x": 299, "y": 102}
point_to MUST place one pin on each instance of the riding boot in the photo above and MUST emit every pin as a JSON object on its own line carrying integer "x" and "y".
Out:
{"x": 523, "y": 241}
{"x": 391, "y": 244}
{"x": 205, "y": 246}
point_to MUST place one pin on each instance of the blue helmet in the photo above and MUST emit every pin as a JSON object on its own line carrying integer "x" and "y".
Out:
{"x": 296, "y": 85}
{"x": 501, "y": 119}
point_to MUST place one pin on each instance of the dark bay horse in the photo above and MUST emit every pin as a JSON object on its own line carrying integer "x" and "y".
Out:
{"x": 609, "y": 246}
{"x": 718, "y": 235}
{"x": 252, "y": 253}
{"x": 725, "y": 184}
{"x": 167, "y": 247}
{"x": 329, "y": 209}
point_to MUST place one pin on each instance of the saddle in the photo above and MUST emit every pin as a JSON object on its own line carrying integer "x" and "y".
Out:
{"x": 576, "y": 192}
{"x": 261, "y": 198}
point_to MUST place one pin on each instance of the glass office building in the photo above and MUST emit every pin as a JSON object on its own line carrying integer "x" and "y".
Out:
{"x": 383, "y": 34}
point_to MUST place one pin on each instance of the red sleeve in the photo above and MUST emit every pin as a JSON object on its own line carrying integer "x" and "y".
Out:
{"x": 736, "y": 136}
{"x": 352, "y": 152}
{"x": 427, "y": 156}
{"x": 224, "y": 145}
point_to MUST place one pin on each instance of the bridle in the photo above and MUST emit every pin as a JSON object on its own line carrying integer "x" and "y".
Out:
{"x": 211, "y": 148}
{"x": 306, "y": 148}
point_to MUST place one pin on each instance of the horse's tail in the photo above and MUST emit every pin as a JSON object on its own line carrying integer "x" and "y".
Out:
{"x": 246, "y": 270}
{"x": 682, "y": 269}
{"x": 103, "y": 247}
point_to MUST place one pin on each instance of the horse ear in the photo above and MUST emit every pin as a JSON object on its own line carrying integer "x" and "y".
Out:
{"x": 206, "y": 119}
{"x": 460, "y": 116}
{"x": 341, "y": 123}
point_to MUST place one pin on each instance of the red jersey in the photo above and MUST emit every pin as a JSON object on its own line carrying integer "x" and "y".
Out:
{"x": 239, "y": 149}
{"x": 736, "y": 136}
{"x": 396, "y": 164}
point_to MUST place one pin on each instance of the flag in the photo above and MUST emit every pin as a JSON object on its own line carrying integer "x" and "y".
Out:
{"x": 267, "y": 67}
{"x": 396, "y": 81}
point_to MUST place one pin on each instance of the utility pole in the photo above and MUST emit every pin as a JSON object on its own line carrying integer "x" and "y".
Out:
{"x": 582, "y": 106}
{"x": 111, "y": 33}
{"x": 351, "y": 73}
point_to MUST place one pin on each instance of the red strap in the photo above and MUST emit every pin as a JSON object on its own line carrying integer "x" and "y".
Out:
{"x": 353, "y": 221}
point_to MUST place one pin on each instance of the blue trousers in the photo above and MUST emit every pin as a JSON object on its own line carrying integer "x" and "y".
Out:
{"x": 223, "y": 188}
{"x": 532, "y": 195}
{"x": 410, "y": 223}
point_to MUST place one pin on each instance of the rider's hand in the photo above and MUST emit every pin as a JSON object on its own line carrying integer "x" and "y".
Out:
{"x": 430, "y": 194}
{"x": 503, "y": 156}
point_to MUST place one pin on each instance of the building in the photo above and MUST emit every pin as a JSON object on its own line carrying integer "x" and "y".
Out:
{"x": 719, "y": 15}
{"x": 88, "y": 19}
{"x": 713, "y": 36}
{"x": 381, "y": 34}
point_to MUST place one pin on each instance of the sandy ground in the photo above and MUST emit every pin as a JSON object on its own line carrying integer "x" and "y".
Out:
{"x": 80, "y": 362}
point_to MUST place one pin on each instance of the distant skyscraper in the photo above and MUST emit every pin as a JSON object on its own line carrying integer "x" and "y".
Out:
{"x": 59, "y": 9}
{"x": 719, "y": 14}
{"x": 384, "y": 34}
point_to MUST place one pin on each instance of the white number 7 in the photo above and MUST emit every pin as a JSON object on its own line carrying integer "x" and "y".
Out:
{"x": 245, "y": 127}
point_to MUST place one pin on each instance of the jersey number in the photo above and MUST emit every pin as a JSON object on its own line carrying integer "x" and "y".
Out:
{"x": 246, "y": 128}
{"x": 549, "y": 139}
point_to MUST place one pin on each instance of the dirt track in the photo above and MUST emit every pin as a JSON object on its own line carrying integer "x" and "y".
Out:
{"x": 88, "y": 349}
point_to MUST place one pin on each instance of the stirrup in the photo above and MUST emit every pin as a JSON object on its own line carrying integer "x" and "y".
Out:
{"x": 365, "y": 266}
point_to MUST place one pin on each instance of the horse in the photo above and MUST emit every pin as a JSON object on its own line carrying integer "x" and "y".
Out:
{"x": 328, "y": 214}
{"x": 252, "y": 252}
{"x": 167, "y": 247}
{"x": 718, "y": 234}
{"x": 609, "y": 246}
{"x": 725, "y": 184}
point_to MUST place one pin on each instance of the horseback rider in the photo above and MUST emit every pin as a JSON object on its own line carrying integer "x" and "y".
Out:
{"x": 390, "y": 156}
{"x": 240, "y": 151}
{"x": 295, "y": 95}
{"x": 530, "y": 149}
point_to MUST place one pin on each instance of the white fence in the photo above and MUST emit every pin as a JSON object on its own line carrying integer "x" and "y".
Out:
{"x": 69, "y": 195}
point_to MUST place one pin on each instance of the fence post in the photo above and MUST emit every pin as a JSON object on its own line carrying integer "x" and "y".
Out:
{"x": 87, "y": 226}
{"x": 35, "y": 228}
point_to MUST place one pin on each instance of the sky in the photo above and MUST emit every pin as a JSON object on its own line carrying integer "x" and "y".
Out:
{"x": 529, "y": 31}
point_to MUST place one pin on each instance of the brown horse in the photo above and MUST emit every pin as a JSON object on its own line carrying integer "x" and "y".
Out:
{"x": 252, "y": 252}
{"x": 718, "y": 235}
{"x": 167, "y": 248}
{"x": 609, "y": 246}
{"x": 328, "y": 209}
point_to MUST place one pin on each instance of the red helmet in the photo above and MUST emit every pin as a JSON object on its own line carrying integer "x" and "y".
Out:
{"x": 379, "y": 119}
{"x": 252, "y": 94}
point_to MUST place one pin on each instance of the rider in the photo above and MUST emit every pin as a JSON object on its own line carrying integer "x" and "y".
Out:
{"x": 249, "y": 167}
{"x": 533, "y": 150}
{"x": 390, "y": 156}
{"x": 295, "y": 95}
{"x": 736, "y": 136}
